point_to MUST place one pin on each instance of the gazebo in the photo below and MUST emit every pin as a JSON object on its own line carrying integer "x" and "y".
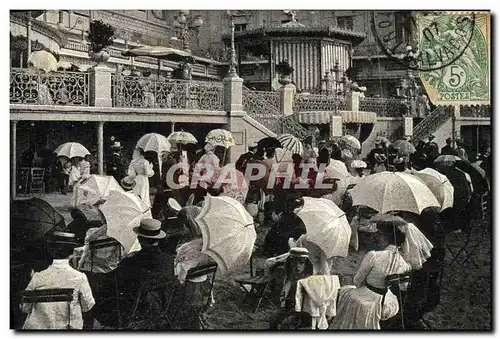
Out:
{"x": 312, "y": 52}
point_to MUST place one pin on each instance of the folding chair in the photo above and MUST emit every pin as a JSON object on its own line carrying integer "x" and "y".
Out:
{"x": 197, "y": 272}
{"x": 258, "y": 286}
{"x": 49, "y": 296}
{"x": 393, "y": 282}
{"x": 101, "y": 244}
{"x": 37, "y": 184}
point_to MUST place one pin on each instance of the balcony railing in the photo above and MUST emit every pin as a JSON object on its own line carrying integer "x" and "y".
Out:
{"x": 316, "y": 102}
{"x": 56, "y": 88}
{"x": 384, "y": 107}
{"x": 475, "y": 111}
{"x": 142, "y": 92}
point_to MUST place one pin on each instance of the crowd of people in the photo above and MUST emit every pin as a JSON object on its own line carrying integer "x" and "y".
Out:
{"x": 170, "y": 243}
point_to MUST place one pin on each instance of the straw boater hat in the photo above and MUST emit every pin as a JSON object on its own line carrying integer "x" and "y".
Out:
{"x": 150, "y": 228}
{"x": 127, "y": 183}
{"x": 358, "y": 164}
{"x": 174, "y": 205}
{"x": 299, "y": 252}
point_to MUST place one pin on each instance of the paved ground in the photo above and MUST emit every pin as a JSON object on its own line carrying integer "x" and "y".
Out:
{"x": 465, "y": 300}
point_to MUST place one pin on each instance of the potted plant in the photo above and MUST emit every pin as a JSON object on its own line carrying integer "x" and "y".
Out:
{"x": 101, "y": 37}
{"x": 284, "y": 70}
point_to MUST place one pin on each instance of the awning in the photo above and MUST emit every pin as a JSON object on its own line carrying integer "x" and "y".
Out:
{"x": 349, "y": 117}
{"x": 313, "y": 118}
{"x": 323, "y": 117}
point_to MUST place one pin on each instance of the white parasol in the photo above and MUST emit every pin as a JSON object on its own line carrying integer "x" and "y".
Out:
{"x": 96, "y": 188}
{"x": 181, "y": 137}
{"x": 71, "y": 150}
{"x": 326, "y": 225}
{"x": 124, "y": 211}
{"x": 43, "y": 60}
{"x": 154, "y": 142}
{"x": 228, "y": 232}
{"x": 388, "y": 191}
{"x": 439, "y": 185}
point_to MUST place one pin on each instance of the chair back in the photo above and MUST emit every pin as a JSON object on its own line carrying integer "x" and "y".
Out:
{"x": 51, "y": 295}
{"x": 37, "y": 174}
{"x": 101, "y": 244}
{"x": 200, "y": 271}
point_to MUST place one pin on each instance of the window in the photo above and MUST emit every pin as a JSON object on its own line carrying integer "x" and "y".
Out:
{"x": 240, "y": 27}
{"x": 400, "y": 19}
{"x": 345, "y": 22}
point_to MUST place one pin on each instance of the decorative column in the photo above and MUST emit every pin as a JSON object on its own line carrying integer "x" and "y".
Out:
{"x": 100, "y": 147}
{"x": 100, "y": 86}
{"x": 287, "y": 94}
{"x": 172, "y": 127}
{"x": 13, "y": 159}
{"x": 408, "y": 126}
{"x": 336, "y": 125}
{"x": 28, "y": 34}
{"x": 454, "y": 130}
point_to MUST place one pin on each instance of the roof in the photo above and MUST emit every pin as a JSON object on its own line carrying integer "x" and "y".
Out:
{"x": 295, "y": 30}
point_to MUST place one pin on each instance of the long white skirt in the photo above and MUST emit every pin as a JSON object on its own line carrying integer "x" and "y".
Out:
{"x": 142, "y": 188}
{"x": 361, "y": 309}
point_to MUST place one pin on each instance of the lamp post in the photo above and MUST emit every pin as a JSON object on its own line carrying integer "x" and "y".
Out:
{"x": 186, "y": 26}
{"x": 232, "y": 63}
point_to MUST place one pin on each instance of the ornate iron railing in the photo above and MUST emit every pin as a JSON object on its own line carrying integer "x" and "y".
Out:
{"x": 432, "y": 122}
{"x": 265, "y": 108}
{"x": 316, "y": 102}
{"x": 28, "y": 86}
{"x": 475, "y": 111}
{"x": 129, "y": 91}
{"x": 384, "y": 107}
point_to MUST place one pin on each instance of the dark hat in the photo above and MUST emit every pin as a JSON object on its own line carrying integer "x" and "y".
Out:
{"x": 449, "y": 139}
{"x": 127, "y": 183}
{"x": 150, "y": 228}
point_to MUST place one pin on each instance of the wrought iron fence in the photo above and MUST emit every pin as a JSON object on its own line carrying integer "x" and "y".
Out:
{"x": 28, "y": 86}
{"x": 130, "y": 91}
{"x": 384, "y": 107}
{"x": 432, "y": 122}
{"x": 265, "y": 108}
{"x": 475, "y": 111}
{"x": 316, "y": 102}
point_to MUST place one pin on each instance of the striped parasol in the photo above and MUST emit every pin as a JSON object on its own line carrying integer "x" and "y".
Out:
{"x": 291, "y": 143}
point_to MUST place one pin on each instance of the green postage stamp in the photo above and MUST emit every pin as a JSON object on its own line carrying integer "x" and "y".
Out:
{"x": 455, "y": 49}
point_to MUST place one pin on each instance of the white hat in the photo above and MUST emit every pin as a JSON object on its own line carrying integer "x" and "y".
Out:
{"x": 117, "y": 144}
{"x": 174, "y": 205}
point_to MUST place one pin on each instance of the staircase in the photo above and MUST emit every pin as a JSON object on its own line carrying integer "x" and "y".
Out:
{"x": 431, "y": 123}
{"x": 264, "y": 107}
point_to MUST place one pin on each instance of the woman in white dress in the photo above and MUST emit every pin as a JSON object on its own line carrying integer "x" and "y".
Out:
{"x": 360, "y": 306}
{"x": 141, "y": 170}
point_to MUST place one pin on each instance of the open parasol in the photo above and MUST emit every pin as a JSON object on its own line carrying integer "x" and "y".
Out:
{"x": 326, "y": 226}
{"x": 220, "y": 137}
{"x": 181, "y": 137}
{"x": 95, "y": 188}
{"x": 439, "y": 185}
{"x": 154, "y": 142}
{"x": 124, "y": 211}
{"x": 291, "y": 143}
{"x": 268, "y": 142}
{"x": 30, "y": 220}
{"x": 43, "y": 60}
{"x": 446, "y": 160}
{"x": 403, "y": 147}
{"x": 389, "y": 191}
{"x": 232, "y": 182}
{"x": 350, "y": 141}
{"x": 336, "y": 169}
{"x": 71, "y": 150}
{"x": 228, "y": 232}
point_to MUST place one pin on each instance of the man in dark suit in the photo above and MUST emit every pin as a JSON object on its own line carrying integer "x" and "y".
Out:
{"x": 242, "y": 161}
{"x": 115, "y": 165}
{"x": 448, "y": 149}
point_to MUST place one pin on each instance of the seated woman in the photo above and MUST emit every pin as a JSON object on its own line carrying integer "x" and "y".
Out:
{"x": 297, "y": 266}
{"x": 360, "y": 306}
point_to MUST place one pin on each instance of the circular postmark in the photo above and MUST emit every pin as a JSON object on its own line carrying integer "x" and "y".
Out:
{"x": 423, "y": 42}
